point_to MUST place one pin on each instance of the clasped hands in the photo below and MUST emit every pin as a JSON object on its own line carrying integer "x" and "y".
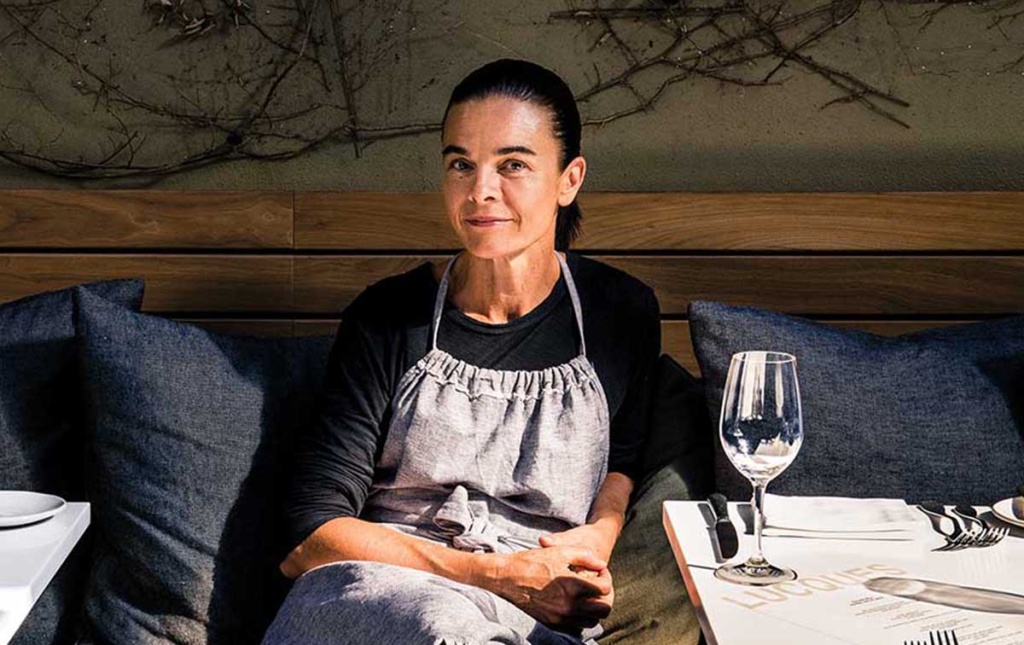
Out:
{"x": 566, "y": 583}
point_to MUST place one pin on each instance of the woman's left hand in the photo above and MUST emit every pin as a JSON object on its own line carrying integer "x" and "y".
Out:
{"x": 597, "y": 537}
{"x": 607, "y": 516}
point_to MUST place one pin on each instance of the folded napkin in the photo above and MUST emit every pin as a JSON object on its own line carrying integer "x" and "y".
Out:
{"x": 838, "y": 518}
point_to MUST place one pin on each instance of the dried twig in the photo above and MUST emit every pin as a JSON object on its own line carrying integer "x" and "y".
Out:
{"x": 739, "y": 37}
{"x": 260, "y": 79}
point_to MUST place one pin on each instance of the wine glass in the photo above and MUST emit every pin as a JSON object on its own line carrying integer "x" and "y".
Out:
{"x": 761, "y": 430}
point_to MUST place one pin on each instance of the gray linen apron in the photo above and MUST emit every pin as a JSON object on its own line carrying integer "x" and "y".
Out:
{"x": 477, "y": 459}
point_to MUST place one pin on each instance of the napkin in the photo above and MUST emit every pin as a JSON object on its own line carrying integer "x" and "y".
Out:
{"x": 838, "y": 518}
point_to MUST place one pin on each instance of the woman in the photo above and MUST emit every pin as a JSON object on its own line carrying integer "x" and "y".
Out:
{"x": 471, "y": 469}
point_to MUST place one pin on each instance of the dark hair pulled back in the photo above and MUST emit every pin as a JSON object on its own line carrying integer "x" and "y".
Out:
{"x": 526, "y": 81}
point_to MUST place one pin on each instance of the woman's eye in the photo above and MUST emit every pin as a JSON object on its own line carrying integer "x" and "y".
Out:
{"x": 515, "y": 165}
{"x": 460, "y": 165}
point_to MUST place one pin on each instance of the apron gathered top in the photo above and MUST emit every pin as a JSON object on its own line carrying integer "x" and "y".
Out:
{"x": 490, "y": 460}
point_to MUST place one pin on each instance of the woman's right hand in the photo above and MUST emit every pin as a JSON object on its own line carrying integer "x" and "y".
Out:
{"x": 561, "y": 586}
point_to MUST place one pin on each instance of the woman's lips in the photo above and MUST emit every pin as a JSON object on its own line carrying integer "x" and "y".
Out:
{"x": 486, "y": 221}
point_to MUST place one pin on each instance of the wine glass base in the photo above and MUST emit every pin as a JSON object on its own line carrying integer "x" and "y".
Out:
{"x": 758, "y": 575}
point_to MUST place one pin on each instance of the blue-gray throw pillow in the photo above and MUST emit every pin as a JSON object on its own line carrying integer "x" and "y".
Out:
{"x": 190, "y": 434}
{"x": 937, "y": 414}
{"x": 41, "y": 434}
{"x": 678, "y": 428}
{"x": 651, "y": 604}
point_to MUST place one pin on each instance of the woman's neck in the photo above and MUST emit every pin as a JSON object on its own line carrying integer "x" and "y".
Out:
{"x": 499, "y": 290}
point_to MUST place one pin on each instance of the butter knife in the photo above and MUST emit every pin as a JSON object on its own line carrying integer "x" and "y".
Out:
{"x": 725, "y": 532}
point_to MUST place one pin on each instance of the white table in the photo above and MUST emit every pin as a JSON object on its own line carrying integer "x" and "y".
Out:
{"x": 29, "y": 558}
{"x": 829, "y": 603}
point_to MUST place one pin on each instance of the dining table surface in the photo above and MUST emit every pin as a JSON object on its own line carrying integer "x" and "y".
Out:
{"x": 29, "y": 558}
{"x": 871, "y": 592}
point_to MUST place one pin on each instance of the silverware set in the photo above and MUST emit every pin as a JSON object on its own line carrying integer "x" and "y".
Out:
{"x": 937, "y": 638}
{"x": 969, "y": 530}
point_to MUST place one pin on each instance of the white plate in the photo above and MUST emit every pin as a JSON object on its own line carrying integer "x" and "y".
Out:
{"x": 1004, "y": 512}
{"x": 20, "y": 507}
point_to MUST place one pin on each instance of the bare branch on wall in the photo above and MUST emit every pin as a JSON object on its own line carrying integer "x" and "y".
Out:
{"x": 198, "y": 83}
{"x": 90, "y": 91}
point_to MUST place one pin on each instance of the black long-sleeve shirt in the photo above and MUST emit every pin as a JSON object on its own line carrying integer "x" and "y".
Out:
{"x": 386, "y": 330}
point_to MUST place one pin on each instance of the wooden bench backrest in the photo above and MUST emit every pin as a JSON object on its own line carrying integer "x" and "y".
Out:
{"x": 270, "y": 263}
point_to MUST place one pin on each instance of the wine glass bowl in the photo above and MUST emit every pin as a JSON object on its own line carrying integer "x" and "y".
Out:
{"x": 761, "y": 430}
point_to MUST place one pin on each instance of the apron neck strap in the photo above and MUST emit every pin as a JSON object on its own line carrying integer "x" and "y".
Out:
{"x": 442, "y": 294}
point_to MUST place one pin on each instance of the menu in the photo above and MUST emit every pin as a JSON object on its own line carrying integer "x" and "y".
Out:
{"x": 878, "y": 602}
{"x": 870, "y": 592}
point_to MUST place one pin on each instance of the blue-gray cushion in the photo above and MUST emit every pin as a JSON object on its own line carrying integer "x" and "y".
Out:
{"x": 937, "y": 414}
{"x": 41, "y": 438}
{"x": 651, "y": 605}
{"x": 678, "y": 428}
{"x": 191, "y": 432}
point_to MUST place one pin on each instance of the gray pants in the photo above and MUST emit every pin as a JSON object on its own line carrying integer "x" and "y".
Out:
{"x": 365, "y": 603}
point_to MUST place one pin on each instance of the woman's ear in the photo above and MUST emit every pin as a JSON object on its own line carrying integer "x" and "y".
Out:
{"x": 571, "y": 181}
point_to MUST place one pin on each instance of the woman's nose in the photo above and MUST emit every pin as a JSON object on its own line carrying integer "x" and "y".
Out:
{"x": 486, "y": 186}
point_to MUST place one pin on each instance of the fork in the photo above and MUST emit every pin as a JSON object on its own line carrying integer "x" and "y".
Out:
{"x": 956, "y": 539}
{"x": 937, "y": 638}
{"x": 991, "y": 536}
{"x": 943, "y": 638}
{"x": 977, "y": 532}
{"x": 982, "y": 531}
{"x": 962, "y": 541}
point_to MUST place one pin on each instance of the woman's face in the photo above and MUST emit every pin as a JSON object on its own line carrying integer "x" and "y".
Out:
{"x": 502, "y": 182}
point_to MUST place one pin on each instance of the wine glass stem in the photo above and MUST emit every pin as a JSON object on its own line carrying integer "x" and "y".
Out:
{"x": 757, "y": 558}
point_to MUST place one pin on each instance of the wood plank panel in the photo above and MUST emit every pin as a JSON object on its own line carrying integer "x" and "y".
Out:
{"x": 820, "y": 286}
{"x": 675, "y": 341}
{"x": 363, "y": 221}
{"x": 173, "y": 282}
{"x": 327, "y": 284}
{"x": 265, "y": 328}
{"x": 323, "y": 327}
{"x": 145, "y": 219}
{"x": 675, "y": 335}
{"x": 804, "y": 221}
{"x": 862, "y": 285}
{"x": 256, "y": 327}
{"x": 966, "y": 221}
